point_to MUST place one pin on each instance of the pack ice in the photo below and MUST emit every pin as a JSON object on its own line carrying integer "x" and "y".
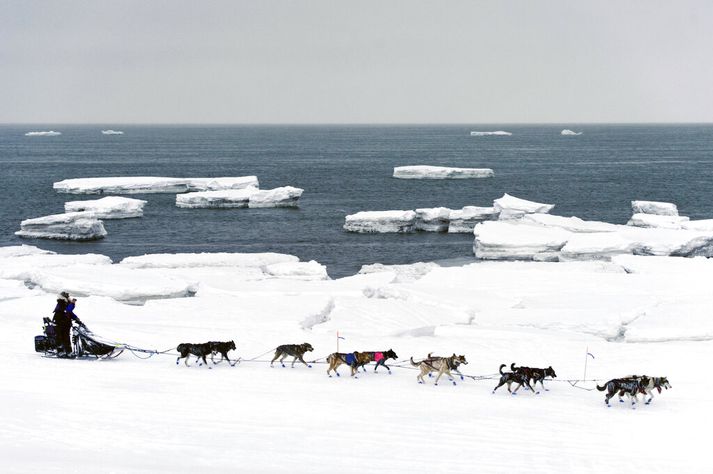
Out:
{"x": 151, "y": 184}
{"x": 440, "y": 172}
{"x": 67, "y": 226}
{"x": 554, "y": 238}
{"x": 435, "y": 219}
{"x": 110, "y": 207}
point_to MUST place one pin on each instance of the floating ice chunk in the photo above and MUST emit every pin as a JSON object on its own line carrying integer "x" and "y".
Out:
{"x": 499, "y": 240}
{"x": 381, "y": 221}
{"x": 510, "y": 207}
{"x": 464, "y": 220}
{"x": 568, "y": 132}
{"x": 434, "y": 219}
{"x": 112, "y": 132}
{"x": 654, "y": 207}
{"x": 68, "y": 226}
{"x": 49, "y": 133}
{"x": 486, "y": 134}
{"x": 440, "y": 172}
{"x": 110, "y": 207}
{"x": 151, "y": 184}
{"x": 228, "y": 198}
{"x": 286, "y": 196}
{"x": 311, "y": 270}
{"x": 656, "y": 220}
{"x": 218, "y": 259}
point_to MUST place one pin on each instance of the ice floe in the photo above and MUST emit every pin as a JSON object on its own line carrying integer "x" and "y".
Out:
{"x": 553, "y": 238}
{"x": 654, "y": 207}
{"x": 286, "y": 196}
{"x": 568, "y": 132}
{"x": 151, "y": 184}
{"x": 112, "y": 132}
{"x": 440, "y": 172}
{"x": 110, "y": 207}
{"x": 228, "y": 198}
{"x": 434, "y": 219}
{"x": 68, "y": 226}
{"x": 511, "y": 207}
{"x": 486, "y": 134}
{"x": 48, "y": 133}
{"x": 464, "y": 220}
{"x": 381, "y": 221}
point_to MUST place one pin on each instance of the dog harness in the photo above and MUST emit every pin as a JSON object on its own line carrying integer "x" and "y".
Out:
{"x": 350, "y": 359}
{"x": 378, "y": 356}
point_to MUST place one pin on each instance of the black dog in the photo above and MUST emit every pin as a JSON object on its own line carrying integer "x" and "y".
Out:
{"x": 292, "y": 350}
{"x": 513, "y": 377}
{"x": 380, "y": 358}
{"x": 222, "y": 348}
{"x": 629, "y": 386}
{"x": 535, "y": 375}
{"x": 199, "y": 350}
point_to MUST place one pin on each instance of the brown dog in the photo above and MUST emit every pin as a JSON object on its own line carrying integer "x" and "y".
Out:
{"x": 353, "y": 360}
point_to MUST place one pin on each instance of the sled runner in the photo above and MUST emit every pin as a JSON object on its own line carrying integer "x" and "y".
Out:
{"x": 84, "y": 344}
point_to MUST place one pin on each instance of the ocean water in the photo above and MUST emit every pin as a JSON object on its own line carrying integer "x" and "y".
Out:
{"x": 345, "y": 169}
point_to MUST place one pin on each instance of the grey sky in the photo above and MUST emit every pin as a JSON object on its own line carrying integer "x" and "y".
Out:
{"x": 361, "y": 61}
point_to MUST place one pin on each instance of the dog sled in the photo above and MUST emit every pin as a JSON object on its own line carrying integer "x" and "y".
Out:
{"x": 85, "y": 344}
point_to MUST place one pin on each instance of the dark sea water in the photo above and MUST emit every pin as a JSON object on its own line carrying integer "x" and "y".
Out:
{"x": 345, "y": 169}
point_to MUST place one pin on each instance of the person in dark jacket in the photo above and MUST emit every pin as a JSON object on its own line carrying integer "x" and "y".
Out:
{"x": 63, "y": 324}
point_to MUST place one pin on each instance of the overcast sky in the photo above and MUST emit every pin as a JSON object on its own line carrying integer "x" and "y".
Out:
{"x": 363, "y": 61}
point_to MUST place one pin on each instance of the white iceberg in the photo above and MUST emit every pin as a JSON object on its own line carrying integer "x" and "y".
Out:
{"x": 434, "y": 219}
{"x": 112, "y": 132}
{"x": 151, "y": 184}
{"x": 654, "y": 207}
{"x": 228, "y": 198}
{"x": 381, "y": 222}
{"x": 49, "y": 133}
{"x": 657, "y": 220}
{"x": 464, "y": 220}
{"x": 311, "y": 270}
{"x": 68, "y": 226}
{"x": 440, "y": 172}
{"x": 286, "y": 196}
{"x": 568, "y": 132}
{"x": 110, "y": 207}
{"x": 511, "y": 207}
{"x": 486, "y": 134}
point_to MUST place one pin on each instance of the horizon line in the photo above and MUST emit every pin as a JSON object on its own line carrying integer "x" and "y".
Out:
{"x": 323, "y": 124}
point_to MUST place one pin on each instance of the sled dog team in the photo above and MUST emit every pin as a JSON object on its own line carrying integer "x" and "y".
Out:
{"x": 631, "y": 385}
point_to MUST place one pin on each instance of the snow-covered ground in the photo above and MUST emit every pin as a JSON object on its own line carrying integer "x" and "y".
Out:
{"x": 440, "y": 172}
{"x": 635, "y": 314}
